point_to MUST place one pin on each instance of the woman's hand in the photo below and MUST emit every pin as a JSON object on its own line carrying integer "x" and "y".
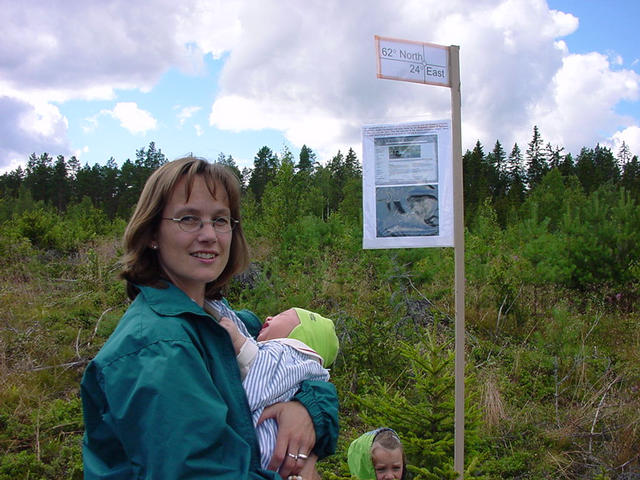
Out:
{"x": 296, "y": 435}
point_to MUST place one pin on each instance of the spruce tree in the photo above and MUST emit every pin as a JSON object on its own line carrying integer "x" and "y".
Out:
{"x": 497, "y": 171}
{"x": 595, "y": 167}
{"x": 624, "y": 154}
{"x": 306, "y": 160}
{"x": 230, "y": 163}
{"x": 420, "y": 408}
{"x": 554, "y": 155}
{"x": 630, "y": 179}
{"x": 536, "y": 160}
{"x": 517, "y": 176}
{"x": 265, "y": 166}
{"x": 475, "y": 178}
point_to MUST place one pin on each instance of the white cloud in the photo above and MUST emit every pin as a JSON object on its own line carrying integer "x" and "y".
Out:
{"x": 186, "y": 113}
{"x": 631, "y": 136}
{"x": 199, "y": 131}
{"x": 80, "y": 151}
{"x": 114, "y": 44}
{"x": 617, "y": 60}
{"x": 27, "y": 127}
{"x": 12, "y": 164}
{"x": 307, "y": 68}
{"x": 210, "y": 26}
{"x": 313, "y": 76}
{"x": 91, "y": 123}
{"x": 132, "y": 118}
{"x": 42, "y": 62}
{"x": 580, "y": 107}
{"x": 44, "y": 120}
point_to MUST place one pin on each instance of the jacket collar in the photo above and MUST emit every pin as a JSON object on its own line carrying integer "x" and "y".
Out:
{"x": 170, "y": 301}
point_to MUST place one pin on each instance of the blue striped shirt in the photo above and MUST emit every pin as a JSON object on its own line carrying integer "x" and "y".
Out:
{"x": 275, "y": 376}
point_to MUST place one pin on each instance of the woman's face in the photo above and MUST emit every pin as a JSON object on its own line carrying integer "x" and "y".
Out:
{"x": 279, "y": 326}
{"x": 387, "y": 463}
{"x": 192, "y": 259}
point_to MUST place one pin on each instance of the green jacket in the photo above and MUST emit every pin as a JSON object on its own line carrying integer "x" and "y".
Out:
{"x": 163, "y": 399}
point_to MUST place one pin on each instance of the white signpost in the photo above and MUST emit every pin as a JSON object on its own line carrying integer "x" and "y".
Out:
{"x": 434, "y": 65}
{"x": 412, "y": 61}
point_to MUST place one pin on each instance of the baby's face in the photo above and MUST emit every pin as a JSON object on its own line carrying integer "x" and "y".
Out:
{"x": 387, "y": 463}
{"x": 279, "y": 326}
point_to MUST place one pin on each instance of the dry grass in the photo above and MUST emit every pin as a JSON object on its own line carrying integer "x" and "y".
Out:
{"x": 492, "y": 403}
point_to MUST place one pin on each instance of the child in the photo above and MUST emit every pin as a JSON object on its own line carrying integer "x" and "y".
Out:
{"x": 293, "y": 346}
{"x": 377, "y": 455}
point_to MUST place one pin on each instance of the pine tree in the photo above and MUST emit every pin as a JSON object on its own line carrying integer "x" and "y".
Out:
{"x": 595, "y": 167}
{"x": 10, "y": 183}
{"x": 420, "y": 408}
{"x": 499, "y": 181}
{"x": 624, "y": 154}
{"x": 352, "y": 166}
{"x": 536, "y": 161}
{"x": 280, "y": 200}
{"x": 630, "y": 179}
{"x": 38, "y": 177}
{"x": 351, "y": 204}
{"x": 110, "y": 176}
{"x": 554, "y": 155}
{"x": 516, "y": 177}
{"x": 265, "y": 166}
{"x": 231, "y": 164}
{"x": 60, "y": 184}
{"x": 567, "y": 166}
{"x": 497, "y": 171}
{"x": 476, "y": 179}
{"x": 306, "y": 160}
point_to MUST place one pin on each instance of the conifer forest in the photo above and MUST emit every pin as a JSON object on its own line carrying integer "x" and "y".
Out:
{"x": 552, "y": 263}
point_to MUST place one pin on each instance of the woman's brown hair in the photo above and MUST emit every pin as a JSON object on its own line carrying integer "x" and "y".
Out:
{"x": 140, "y": 262}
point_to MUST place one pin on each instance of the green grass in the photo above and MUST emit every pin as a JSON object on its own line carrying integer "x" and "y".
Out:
{"x": 557, "y": 377}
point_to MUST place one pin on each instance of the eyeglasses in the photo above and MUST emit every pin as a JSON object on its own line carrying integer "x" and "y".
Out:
{"x": 192, "y": 223}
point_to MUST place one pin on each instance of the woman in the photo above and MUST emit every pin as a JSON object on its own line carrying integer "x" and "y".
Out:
{"x": 163, "y": 398}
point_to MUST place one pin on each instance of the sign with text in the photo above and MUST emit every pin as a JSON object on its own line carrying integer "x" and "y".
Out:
{"x": 412, "y": 61}
{"x": 407, "y": 185}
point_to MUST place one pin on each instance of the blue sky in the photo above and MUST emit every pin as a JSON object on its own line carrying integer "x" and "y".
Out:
{"x": 229, "y": 76}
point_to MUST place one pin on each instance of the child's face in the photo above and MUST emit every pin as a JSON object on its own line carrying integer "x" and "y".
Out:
{"x": 279, "y": 326}
{"x": 387, "y": 463}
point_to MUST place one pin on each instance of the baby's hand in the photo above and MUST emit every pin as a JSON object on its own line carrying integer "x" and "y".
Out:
{"x": 236, "y": 337}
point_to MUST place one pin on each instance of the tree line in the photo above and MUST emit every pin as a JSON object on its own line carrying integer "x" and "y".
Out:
{"x": 507, "y": 180}
{"x": 61, "y": 182}
{"x": 504, "y": 181}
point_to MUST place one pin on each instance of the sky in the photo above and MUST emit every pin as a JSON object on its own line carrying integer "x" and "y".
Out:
{"x": 103, "y": 78}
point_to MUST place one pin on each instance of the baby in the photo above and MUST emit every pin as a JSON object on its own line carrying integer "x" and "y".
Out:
{"x": 293, "y": 346}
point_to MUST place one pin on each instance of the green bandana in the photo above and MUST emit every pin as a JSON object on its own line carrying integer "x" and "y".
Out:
{"x": 359, "y": 455}
{"x": 319, "y": 333}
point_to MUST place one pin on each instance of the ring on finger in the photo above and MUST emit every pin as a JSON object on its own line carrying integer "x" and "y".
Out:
{"x": 295, "y": 457}
{"x": 302, "y": 456}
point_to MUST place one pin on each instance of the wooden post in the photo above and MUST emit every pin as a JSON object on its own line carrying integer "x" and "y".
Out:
{"x": 458, "y": 245}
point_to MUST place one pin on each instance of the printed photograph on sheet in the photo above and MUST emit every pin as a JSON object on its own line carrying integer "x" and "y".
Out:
{"x": 407, "y": 185}
{"x": 407, "y": 211}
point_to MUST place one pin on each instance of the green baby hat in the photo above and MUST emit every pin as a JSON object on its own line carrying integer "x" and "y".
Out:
{"x": 319, "y": 333}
